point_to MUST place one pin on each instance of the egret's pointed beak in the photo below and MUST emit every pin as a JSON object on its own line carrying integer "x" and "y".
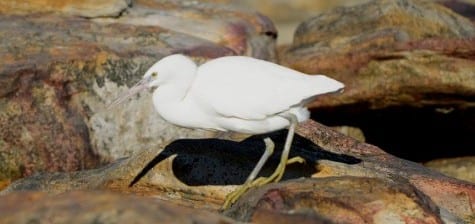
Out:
{"x": 140, "y": 86}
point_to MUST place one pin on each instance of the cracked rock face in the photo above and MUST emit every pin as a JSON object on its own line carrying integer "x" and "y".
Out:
{"x": 62, "y": 63}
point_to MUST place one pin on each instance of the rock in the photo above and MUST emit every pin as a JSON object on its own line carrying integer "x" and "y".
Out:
{"x": 336, "y": 200}
{"x": 461, "y": 168}
{"x": 97, "y": 207}
{"x": 199, "y": 173}
{"x": 353, "y": 132}
{"x": 389, "y": 53}
{"x": 454, "y": 198}
{"x": 288, "y": 14}
{"x": 298, "y": 10}
{"x": 58, "y": 71}
{"x": 408, "y": 67}
{"x": 88, "y": 8}
{"x": 4, "y": 184}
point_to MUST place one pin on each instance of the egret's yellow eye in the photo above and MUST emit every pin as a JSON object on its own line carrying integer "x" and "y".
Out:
{"x": 154, "y": 74}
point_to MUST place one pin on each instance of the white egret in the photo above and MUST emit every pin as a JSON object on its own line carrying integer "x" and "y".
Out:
{"x": 234, "y": 93}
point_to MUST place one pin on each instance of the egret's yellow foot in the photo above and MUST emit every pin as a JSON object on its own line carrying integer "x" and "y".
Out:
{"x": 296, "y": 159}
{"x": 279, "y": 171}
{"x": 275, "y": 177}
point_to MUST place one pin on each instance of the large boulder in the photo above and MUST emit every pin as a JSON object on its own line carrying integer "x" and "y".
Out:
{"x": 337, "y": 200}
{"x": 200, "y": 173}
{"x": 62, "y": 63}
{"x": 408, "y": 67}
{"x": 389, "y": 53}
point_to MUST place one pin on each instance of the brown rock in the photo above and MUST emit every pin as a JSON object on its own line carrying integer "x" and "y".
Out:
{"x": 461, "y": 168}
{"x": 4, "y": 184}
{"x": 87, "y": 8}
{"x": 454, "y": 198}
{"x": 199, "y": 173}
{"x": 350, "y": 131}
{"x": 389, "y": 53}
{"x": 97, "y": 207}
{"x": 337, "y": 200}
{"x": 288, "y": 14}
{"x": 408, "y": 67}
{"x": 195, "y": 173}
{"x": 58, "y": 72}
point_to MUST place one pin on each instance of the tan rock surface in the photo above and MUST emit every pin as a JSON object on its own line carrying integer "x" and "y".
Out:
{"x": 84, "y": 8}
{"x": 461, "y": 168}
{"x": 97, "y": 207}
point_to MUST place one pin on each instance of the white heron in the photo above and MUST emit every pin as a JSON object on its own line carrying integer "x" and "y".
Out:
{"x": 234, "y": 93}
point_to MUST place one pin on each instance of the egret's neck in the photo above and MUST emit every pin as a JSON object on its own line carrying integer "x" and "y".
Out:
{"x": 170, "y": 100}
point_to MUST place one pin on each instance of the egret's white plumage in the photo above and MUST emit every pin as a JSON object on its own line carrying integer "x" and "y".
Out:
{"x": 234, "y": 93}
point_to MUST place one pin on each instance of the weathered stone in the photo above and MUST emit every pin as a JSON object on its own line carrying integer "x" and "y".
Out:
{"x": 59, "y": 71}
{"x": 337, "y": 200}
{"x": 461, "y": 168}
{"x": 199, "y": 173}
{"x": 288, "y": 14}
{"x": 408, "y": 67}
{"x": 454, "y": 198}
{"x": 353, "y": 132}
{"x": 97, "y": 207}
{"x": 196, "y": 173}
{"x": 229, "y": 30}
{"x": 389, "y": 53}
{"x": 85, "y": 8}
{"x": 298, "y": 10}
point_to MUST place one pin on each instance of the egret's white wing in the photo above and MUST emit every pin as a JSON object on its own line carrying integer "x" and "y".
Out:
{"x": 253, "y": 89}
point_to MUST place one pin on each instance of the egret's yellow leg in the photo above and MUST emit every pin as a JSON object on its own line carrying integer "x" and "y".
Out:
{"x": 284, "y": 161}
{"x": 233, "y": 196}
{"x": 279, "y": 171}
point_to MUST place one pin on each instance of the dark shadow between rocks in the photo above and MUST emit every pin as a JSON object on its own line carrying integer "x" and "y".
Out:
{"x": 223, "y": 162}
{"x": 416, "y": 134}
